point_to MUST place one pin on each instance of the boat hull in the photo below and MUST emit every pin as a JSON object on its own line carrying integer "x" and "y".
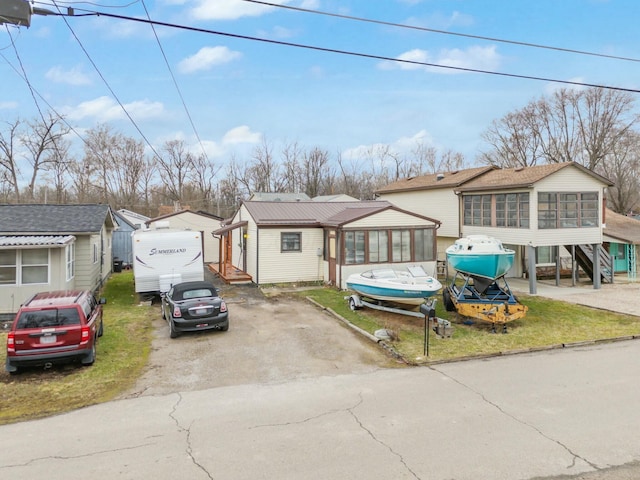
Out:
{"x": 396, "y": 287}
{"x": 486, "y": 265}
{"x": 480, "y": 256}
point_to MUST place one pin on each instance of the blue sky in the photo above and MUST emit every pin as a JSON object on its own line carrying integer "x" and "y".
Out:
{"x": 240, "y": 92}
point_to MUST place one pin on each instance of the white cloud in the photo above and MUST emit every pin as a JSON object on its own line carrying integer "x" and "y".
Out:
{"x": 241, "y": 134}
{"x": 206, "y": 58}
{"x": 230, "y": 9}
{"x": 74, "y": 76}
{"x": 105, "y": 109}
{"x": 403, "y": 145}
{"x": 8, "y": 105}
{"x": 475, "y": 58}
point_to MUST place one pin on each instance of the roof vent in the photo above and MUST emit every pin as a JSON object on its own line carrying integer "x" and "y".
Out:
{"x": 440, "y": 176}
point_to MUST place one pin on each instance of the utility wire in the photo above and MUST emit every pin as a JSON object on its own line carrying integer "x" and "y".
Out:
{"x": 360, "y": 54}
{"x": 175, "y": 83}
{"x": 109, "y": 86}
{"x": 443, "y": 32}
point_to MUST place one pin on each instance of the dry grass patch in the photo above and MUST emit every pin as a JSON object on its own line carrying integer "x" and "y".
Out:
{"x": 547, "y": 323}
{"x": 122, "y": 354}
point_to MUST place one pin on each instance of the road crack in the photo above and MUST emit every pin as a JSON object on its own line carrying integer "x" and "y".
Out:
{"x": 574, "y": 455}
{"x": 187, "y": 432}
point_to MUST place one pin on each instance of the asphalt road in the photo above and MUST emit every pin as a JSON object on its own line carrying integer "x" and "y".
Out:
{"x": 543, "y": 415}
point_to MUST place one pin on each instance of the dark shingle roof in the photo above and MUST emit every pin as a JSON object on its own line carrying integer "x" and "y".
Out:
{"x": 436, "y": 180}
{"x": 53, "y": 219}
{"x": 522, "y": 177}
{"x": 623, "y": 228}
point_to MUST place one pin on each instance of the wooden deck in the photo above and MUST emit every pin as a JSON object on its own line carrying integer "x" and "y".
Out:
{"x": 230, "y": 274}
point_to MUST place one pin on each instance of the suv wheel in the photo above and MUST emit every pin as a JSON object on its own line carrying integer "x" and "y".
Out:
{"x": 172, "y": 329}
{"x": 91, "y": 357}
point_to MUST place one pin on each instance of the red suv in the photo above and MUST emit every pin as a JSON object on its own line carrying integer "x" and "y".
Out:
{"x": 55, "y": 327}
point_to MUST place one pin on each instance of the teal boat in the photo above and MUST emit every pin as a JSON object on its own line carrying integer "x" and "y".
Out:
{"x": 480, "y": 256}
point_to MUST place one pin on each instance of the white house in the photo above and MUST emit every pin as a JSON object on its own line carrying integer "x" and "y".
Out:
{"x": 189, "y": 220}
{"x": 52, "y": 247}
{"x": 309, "y": 241}
{"x": 535, "y": 210}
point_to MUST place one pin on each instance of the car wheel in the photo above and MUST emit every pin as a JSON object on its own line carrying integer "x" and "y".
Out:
{"x": 225, "y": 326}
{"x": 91, "y": 357}
{"x": 164, "y": 317}
{"x": 101, "y": 329}
{"x": 172, "y": 330}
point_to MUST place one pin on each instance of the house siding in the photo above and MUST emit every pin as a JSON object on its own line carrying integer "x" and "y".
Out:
{"x": 200, "y": 223}
{"x": 287, "y": 267}
{"x": 442, "y": 205}
{"x": 12, "y": 296}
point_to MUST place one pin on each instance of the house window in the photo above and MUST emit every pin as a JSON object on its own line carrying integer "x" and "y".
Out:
{"x": 8, "y": 267}
{"x": 95, "y": 253}
{"x": 35, "y": 266}
{"x": 382, "y": 246}
{"x": 24, "y": 267}
{"x": 378, "y": 246}
{"x": 291, "y": 242}
{"x": 70, "y": 260}
{"x": 400, "y": 245}
{"x": 354, "y": 247}
{"x": 477, "y": 210}
{"x": 512, "y": 210}
{"x": 567, "y": 210}
{"x": 546, "y": 255}
{"x": 423, "y": 244}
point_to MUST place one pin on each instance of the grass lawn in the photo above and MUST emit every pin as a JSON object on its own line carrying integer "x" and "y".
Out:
{"x": 547, "y": 323}
{"x": 122, "y": 353}
{"x": 124, "y": 349}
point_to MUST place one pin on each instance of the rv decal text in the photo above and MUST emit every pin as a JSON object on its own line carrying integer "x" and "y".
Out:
{"x": 166, "y": 251}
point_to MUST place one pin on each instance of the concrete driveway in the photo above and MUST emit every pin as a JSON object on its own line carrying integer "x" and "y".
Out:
{"x": 270, "y": 340}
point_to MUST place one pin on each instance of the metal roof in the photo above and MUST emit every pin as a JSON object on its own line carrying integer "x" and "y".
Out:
{"x": 54, "y": 219}
{"x": 311, "y": 213}
{"x": 621, "y": 229}
{"x": 35, "y": 240}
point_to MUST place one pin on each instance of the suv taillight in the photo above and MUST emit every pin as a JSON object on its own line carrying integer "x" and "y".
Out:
{"x": 176, "y": 312}
{"x": 11, "y": 342}
{"x": 85, "y": 334}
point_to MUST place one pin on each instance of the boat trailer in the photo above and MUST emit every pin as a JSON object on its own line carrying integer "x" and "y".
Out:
{"x": 482, "y": 299}
{"x": 356, "y": 302}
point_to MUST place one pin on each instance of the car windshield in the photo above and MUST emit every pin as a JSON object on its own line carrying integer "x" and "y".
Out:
{"x": 200, "y": 292}
{"x": 53, "y": 317}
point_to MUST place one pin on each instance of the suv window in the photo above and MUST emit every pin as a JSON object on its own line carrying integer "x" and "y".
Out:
{"x": 54, "y": 317}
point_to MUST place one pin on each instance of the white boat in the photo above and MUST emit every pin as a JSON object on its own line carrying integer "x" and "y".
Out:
{"x": 480, "y": 256}
{"x": 407, "y": 287}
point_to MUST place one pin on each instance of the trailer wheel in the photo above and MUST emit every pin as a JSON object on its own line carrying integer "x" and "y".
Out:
{"x": 448, "y": 303}
{"x": 352, "y": 304}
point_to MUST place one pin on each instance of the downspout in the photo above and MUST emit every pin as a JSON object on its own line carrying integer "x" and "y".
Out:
{"x": 460, "y": 213}
{"x": 257, "y": 255}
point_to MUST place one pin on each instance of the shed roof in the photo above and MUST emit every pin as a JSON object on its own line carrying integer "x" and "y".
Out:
{"x": 54, "y": 219}
{"x": 621, "y": 228}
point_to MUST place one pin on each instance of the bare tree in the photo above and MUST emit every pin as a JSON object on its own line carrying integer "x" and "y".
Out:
{"x": 202, "y": 177}
{"x": 315, "y": 164}
{"x": 9, "y": 170}
{"x": 175, "y": 167}
{"x": 41, "y": 141}
{"x": 582, "y": 126}
{"x": 57, "y": 170}
{"x": 622, "y": 167}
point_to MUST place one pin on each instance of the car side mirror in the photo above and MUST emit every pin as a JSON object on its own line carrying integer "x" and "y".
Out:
{"x": 102, "y": 301}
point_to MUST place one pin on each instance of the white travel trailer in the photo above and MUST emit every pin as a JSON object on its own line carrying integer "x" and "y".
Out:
{"x": 165, "y": 257}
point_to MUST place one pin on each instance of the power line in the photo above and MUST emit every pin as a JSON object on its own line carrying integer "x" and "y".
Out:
{"x": 443, "y": 32}
{"x": 108, "y": 86}
{"x": 175, "y": 83}
{"x": 360, "y": 54}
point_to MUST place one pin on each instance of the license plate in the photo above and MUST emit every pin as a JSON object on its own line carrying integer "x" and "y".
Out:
{"x": 201, "y": 311}
{"x": 48, "y": 339}
{"x": 200, "y": 325}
